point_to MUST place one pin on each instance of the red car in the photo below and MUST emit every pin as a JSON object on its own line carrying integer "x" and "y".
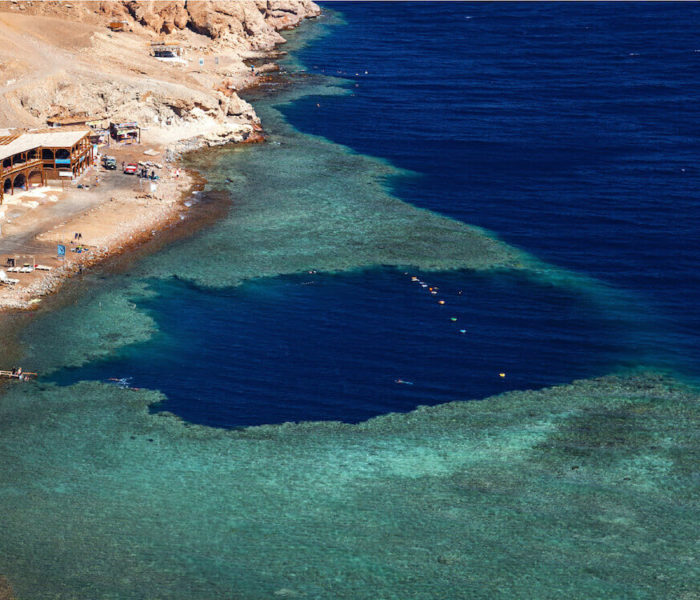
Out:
{"x": 131, "y": 168}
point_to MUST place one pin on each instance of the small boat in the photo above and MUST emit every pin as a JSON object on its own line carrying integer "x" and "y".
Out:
{"x": 18, "y": 373}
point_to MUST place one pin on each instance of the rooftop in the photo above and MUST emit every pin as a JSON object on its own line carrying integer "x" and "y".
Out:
{"x": 73, "y": 119}
{"x": 21, "y": 141}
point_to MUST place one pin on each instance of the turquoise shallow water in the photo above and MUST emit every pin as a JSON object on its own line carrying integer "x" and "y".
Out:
{"x": 588, "y": 490}
{"x": 585, "y": 491}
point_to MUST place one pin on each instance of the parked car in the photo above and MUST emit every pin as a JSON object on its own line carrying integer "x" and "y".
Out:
{"x": 109, "y": 162}
{"x": 131, "y": 168}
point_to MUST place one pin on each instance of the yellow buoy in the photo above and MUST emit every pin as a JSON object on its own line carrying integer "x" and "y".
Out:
{"x": 501, "y": 374}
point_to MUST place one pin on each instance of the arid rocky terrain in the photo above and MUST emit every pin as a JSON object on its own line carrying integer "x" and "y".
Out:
{"x": 61, "y": 58}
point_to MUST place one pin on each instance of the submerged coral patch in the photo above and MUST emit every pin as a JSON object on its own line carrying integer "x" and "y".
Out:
{"x": 301, "y": 202}
{"x": 91, "y": 328}
{"x": 448, "y": 501}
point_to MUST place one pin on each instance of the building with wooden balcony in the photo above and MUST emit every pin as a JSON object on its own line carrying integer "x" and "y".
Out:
{"x": 31, "y": 158}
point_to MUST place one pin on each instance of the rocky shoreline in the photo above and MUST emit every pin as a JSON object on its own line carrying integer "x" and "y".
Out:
{"x": 191, "y": 107}
{"x": 114, "y": 74}
{"x": 118, "y": 239}
{"x": 206, "y": 103}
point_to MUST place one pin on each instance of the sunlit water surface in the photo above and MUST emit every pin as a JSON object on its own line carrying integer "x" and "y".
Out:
{"x": 561, "y": 129}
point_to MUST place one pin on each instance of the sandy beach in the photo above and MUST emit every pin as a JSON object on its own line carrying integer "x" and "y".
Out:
{"x": 108, "y": 214}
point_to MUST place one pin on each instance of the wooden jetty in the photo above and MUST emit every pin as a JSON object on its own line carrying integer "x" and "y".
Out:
{"x": 18, "y": 374}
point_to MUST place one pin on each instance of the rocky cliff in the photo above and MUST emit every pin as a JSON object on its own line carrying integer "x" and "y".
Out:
{"x": 60, "y": 58}
{"x": 253, "y": 23}
{"x": 257, "y": 20}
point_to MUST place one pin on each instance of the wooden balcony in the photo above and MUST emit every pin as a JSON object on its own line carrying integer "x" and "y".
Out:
{"x": 21, "y": 166}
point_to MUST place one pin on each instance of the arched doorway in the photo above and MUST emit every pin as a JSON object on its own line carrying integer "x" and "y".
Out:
{"x": 7, "y": 186}
{"x": 20, "y": 182}
{"x": 35, "y": 179}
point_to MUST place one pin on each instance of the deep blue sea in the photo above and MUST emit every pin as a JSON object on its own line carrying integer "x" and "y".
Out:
{"x": 570, "y": 130}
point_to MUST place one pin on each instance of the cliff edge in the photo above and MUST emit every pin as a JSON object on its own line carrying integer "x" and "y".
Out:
{"x": 61, "y": 59}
